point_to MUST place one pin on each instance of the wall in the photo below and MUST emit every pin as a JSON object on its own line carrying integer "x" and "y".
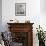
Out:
{"x": 43, "y": 14}
{"x": 33, "y": 13}
{"x": 43, "y": 6}
{"x": 0, "y": 14}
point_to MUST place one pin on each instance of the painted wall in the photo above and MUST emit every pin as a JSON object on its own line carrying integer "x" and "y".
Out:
{"x": 33, "y": 13}
{"x": 43, "y": 14}
{"x": 0, "y": 15}
{"x": 43, "y": 6}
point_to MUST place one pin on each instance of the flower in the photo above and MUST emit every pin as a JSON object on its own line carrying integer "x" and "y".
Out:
{"x": 40, "y": 33}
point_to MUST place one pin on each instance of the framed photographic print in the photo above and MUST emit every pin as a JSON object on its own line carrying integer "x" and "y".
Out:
{"x": 20, "y": 9}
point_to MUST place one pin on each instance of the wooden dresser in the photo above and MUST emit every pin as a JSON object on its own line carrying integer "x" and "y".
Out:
{"x": 22, "y": 33}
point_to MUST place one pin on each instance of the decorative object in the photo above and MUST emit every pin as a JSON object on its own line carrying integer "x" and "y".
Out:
{"x": 27, "y": 21}
{"x": 13, "y": 21}
{"x": 20, "y": 9}
{"x": 41, "y": 36}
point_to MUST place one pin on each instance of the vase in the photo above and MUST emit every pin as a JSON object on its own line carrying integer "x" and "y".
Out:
{"x": 41, "y": 43}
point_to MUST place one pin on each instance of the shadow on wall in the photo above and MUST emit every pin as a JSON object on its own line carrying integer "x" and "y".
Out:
{"x": 43, "y": 6}
{"x": 0, "y": 15}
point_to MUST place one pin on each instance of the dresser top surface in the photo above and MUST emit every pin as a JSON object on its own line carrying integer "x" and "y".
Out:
{"x": 19, "y": 23}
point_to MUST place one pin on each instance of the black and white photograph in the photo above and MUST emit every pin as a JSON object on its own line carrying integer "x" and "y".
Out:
{"x": 20, "y": 9}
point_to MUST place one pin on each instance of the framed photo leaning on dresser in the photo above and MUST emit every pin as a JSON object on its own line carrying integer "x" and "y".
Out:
{"x": 20, "y": 9}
